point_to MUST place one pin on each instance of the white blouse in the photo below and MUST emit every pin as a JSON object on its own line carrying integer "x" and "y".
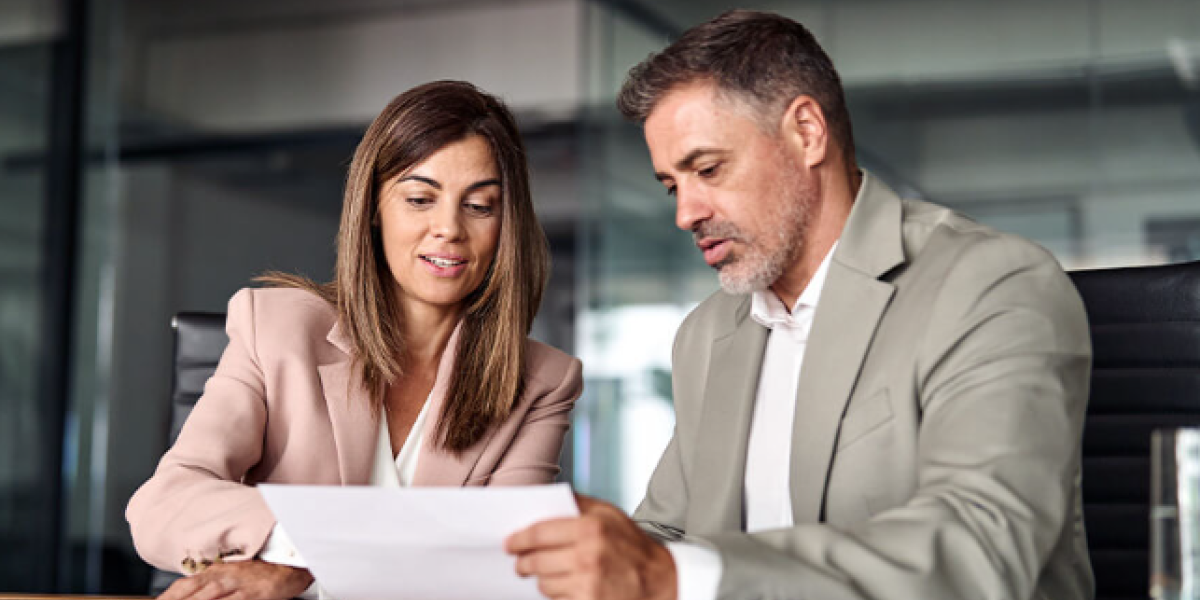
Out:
{"x": 386, "y": 472}
{"x": 399, "y": 472}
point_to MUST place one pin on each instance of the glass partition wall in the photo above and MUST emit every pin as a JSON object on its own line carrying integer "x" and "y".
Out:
{"x": 637, "y": 276}
{"x": 29, "y": 427}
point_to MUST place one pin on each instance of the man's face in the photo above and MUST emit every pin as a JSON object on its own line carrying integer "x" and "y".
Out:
{"x": 745, "y": 201}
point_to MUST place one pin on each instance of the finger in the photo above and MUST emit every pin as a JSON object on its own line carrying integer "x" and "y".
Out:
{"x": 595, "y": 507}
{"x": 215, "y": 588}
{"x": 547, "y": 563}
{"x": 584, "y": 502}
{"x": 557, "y": 587}
{"x": 181, "y": 588}
{"x": 547, "y": 534}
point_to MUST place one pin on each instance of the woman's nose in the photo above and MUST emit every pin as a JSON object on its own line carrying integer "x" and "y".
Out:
{"x": 445, "y": 222}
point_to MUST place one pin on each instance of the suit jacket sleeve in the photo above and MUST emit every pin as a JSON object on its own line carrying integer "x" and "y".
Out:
{"x": 663, "y": 512}
{"x": 532, "y": 457}
{"x": 1003, "y": 373}
{"x": 195, "y": 505}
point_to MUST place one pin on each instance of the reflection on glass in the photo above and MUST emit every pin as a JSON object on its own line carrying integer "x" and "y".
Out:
{"x": 626, "y": 420}
{"x": 26, "y": 424}
{"x": 1175, "y": 515}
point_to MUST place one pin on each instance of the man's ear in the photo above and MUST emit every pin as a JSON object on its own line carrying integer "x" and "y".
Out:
{"x": 804, "y": 129}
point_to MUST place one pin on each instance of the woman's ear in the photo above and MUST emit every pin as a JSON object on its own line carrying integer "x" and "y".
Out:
{"x": 804, "y": 129}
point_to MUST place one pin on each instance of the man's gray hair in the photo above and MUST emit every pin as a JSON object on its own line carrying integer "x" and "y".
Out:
{"x": 761, "y": 60}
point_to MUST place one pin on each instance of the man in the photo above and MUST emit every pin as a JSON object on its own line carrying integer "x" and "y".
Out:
{"x": 884, "y": 401}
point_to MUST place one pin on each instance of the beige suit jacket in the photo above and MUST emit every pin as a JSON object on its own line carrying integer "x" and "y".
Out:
{"x": 935, "y": 449}
{"x": 285, "y": 407}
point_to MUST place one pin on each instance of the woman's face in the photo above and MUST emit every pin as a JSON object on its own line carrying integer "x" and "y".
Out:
{"x": 440, "y": 223}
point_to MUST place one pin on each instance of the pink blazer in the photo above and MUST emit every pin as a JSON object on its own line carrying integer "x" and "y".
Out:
{"x": 284, "y": 407}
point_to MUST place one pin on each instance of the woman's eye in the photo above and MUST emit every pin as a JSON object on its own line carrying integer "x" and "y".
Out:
{"x": 481, "y": 210}
{"x": 419, "y": 201}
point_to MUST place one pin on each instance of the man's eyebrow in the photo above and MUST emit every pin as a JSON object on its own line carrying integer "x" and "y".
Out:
{"x": 427, "y": 181}
{"x": 688, "y": 160}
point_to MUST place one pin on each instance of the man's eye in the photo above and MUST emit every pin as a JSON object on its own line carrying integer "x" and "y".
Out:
{"x": 708, "y": 171}
{"x": 670, "y": 190}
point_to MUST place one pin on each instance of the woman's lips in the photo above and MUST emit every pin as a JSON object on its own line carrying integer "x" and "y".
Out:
{"x": 444, "y": 265}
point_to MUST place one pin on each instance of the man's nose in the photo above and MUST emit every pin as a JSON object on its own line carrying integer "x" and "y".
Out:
{"x": 691, "y": 208}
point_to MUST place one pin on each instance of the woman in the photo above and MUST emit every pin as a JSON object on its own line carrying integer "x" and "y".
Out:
{"x": 412, "y": 367}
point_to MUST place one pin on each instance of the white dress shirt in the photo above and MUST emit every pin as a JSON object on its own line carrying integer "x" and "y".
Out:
{"x": 766, "y": 487}
{"x": 385, "y": 472}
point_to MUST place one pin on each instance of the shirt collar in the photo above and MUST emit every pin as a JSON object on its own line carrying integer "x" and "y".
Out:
{"x": 769, "y": 311}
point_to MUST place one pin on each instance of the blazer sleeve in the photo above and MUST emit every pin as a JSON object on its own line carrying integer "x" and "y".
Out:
{"x": 1003, "y": 376}
{"x": 195, "y": 505}
{"x": 532, "y": 457}
{"x": 663, "y": 510}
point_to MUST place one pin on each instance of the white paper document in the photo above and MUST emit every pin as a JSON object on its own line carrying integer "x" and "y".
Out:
{"x": 371, "y": 543}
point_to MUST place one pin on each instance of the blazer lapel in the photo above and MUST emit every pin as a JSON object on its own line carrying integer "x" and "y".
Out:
{"x": 354, "y": 427}
{"x": 435, "y": 466}
{"x": 734, "y": 367}
{"x": 852, "y": 302}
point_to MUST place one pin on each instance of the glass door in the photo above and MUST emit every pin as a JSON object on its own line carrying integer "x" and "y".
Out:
{"x": 30, "y": 429}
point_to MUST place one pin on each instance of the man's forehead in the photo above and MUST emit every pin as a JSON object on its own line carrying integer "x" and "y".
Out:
{"x": 691, "y": 122}
{"x": 683, "y": 103}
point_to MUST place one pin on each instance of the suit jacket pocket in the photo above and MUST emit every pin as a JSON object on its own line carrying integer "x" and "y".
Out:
{"x": 864, "y": 417}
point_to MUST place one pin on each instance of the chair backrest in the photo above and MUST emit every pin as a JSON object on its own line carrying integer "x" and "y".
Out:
{"x": 199, "y": 341}
{"x": 1145, "y": 325}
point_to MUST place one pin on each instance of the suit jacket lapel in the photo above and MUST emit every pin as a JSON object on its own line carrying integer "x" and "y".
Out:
{"x": 733, "y": 372}
{"x": 852, "y": 302}
{"x": 354, "y": 426}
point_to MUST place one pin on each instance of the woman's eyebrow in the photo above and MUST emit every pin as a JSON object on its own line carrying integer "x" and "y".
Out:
{"x": 427, "y": 181}
{"x": 484, "y": 183}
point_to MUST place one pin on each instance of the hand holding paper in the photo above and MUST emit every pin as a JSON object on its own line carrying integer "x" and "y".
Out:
{"x": 603, "y": 555}
{"x": 415, "y": 543}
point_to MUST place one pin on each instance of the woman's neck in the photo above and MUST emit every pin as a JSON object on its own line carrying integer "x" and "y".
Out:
{"x": 427, "y": 330}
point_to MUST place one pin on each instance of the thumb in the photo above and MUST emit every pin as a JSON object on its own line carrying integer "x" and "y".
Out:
{"x": 587, "y": 504}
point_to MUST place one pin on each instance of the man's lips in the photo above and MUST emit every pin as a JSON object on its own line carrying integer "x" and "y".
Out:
{"x": 715, "y": 250}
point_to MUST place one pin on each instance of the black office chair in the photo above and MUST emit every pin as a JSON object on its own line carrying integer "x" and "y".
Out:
{"x": 199, "y": 341}
{"x": 1145, "y": 324}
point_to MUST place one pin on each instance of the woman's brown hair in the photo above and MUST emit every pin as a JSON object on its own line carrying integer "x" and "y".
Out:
{"x": 490, "y": 361}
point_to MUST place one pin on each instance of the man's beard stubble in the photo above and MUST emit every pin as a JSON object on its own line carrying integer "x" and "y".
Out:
{"x": 764, "y": 260}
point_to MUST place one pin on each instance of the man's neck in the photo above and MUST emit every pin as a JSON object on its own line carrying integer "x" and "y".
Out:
{"x": 830, "y": 213}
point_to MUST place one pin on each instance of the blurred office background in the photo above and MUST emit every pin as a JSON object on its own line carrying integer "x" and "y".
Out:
{"x": 157, "y": 154}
